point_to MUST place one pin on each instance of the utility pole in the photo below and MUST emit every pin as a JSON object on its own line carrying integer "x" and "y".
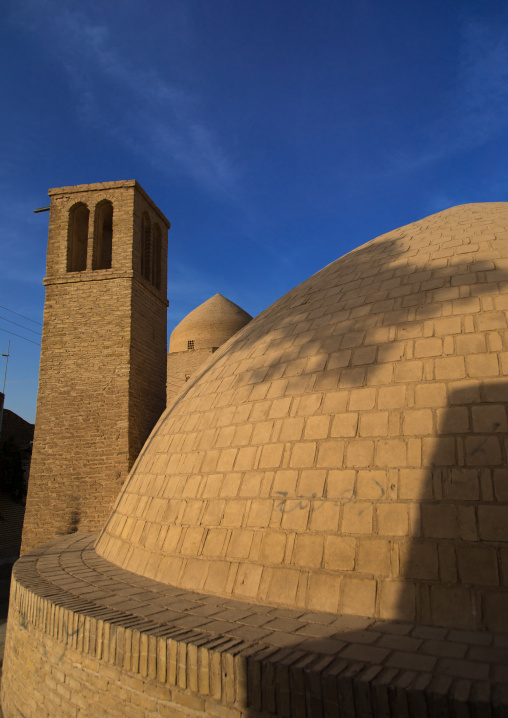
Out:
{"x": 5, "y": 379}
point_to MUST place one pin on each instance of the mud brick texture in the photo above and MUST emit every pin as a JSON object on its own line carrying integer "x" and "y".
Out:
{"x": 198, "y": 336}
{"x": 103, "y": 365}
{"x": 91, "y": 639}
{"x": 317, "y": 524}
{"x": 346, "y": 450}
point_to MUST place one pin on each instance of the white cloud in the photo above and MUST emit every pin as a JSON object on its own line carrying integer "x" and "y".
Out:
{"x": 138, "y": 107}
{"x": 476, "y": 109}
{"x": 484, "y": 80}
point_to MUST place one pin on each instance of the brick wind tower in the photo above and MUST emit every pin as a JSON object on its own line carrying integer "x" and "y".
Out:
{"x": 102, "y": 379}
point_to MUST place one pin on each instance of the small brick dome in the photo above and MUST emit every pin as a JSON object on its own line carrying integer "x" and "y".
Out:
{"x": 209, "y": 325}
{"x": 346, "y": 451}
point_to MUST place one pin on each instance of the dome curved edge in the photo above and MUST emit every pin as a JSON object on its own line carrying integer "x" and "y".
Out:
{"x": 209, "y": 325}
{"x": 346, "y": 451}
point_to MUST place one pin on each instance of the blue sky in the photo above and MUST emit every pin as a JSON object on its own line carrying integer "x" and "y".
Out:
{"x": 276, "y": 135}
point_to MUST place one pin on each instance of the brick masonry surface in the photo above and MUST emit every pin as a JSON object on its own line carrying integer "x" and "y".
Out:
{"x": 207, "y": 327}
{"x": 181, "y": 367}
{"x": 91, "y": 639}
{"x": 103, "y": 366}
{"x": 346, "y": 451}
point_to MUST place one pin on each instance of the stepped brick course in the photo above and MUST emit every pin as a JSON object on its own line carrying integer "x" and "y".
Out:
{"x": 92, "y": 639}
{"x": 316, "y": 526}
{"x": 346, "y": 450}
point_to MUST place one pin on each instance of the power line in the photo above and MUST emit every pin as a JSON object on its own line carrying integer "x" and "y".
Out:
{"x": 21, "y": 337}
{"x": 4, "y": 319}
{"x": 20, "y": 315}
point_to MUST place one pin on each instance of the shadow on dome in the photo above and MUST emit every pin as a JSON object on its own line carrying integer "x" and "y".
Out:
{"x": 318, "y": 523}
{"x": 347, "y": 385}
{"x": 454, "y": 564}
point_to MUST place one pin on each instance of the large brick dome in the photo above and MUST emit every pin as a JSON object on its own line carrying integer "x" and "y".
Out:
{"x": 346, "y": 451}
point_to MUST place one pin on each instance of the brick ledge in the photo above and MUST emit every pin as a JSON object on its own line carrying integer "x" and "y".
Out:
{"x": 254, "y": 658}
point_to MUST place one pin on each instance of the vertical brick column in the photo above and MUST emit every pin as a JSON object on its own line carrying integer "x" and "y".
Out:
{"x": 103, "y": 365}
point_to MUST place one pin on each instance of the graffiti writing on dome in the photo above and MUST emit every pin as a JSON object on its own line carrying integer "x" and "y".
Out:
{"x": 314, "y": 501}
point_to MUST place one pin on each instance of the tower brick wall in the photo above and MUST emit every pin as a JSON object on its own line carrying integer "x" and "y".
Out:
{"x": 103, "y": 359}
